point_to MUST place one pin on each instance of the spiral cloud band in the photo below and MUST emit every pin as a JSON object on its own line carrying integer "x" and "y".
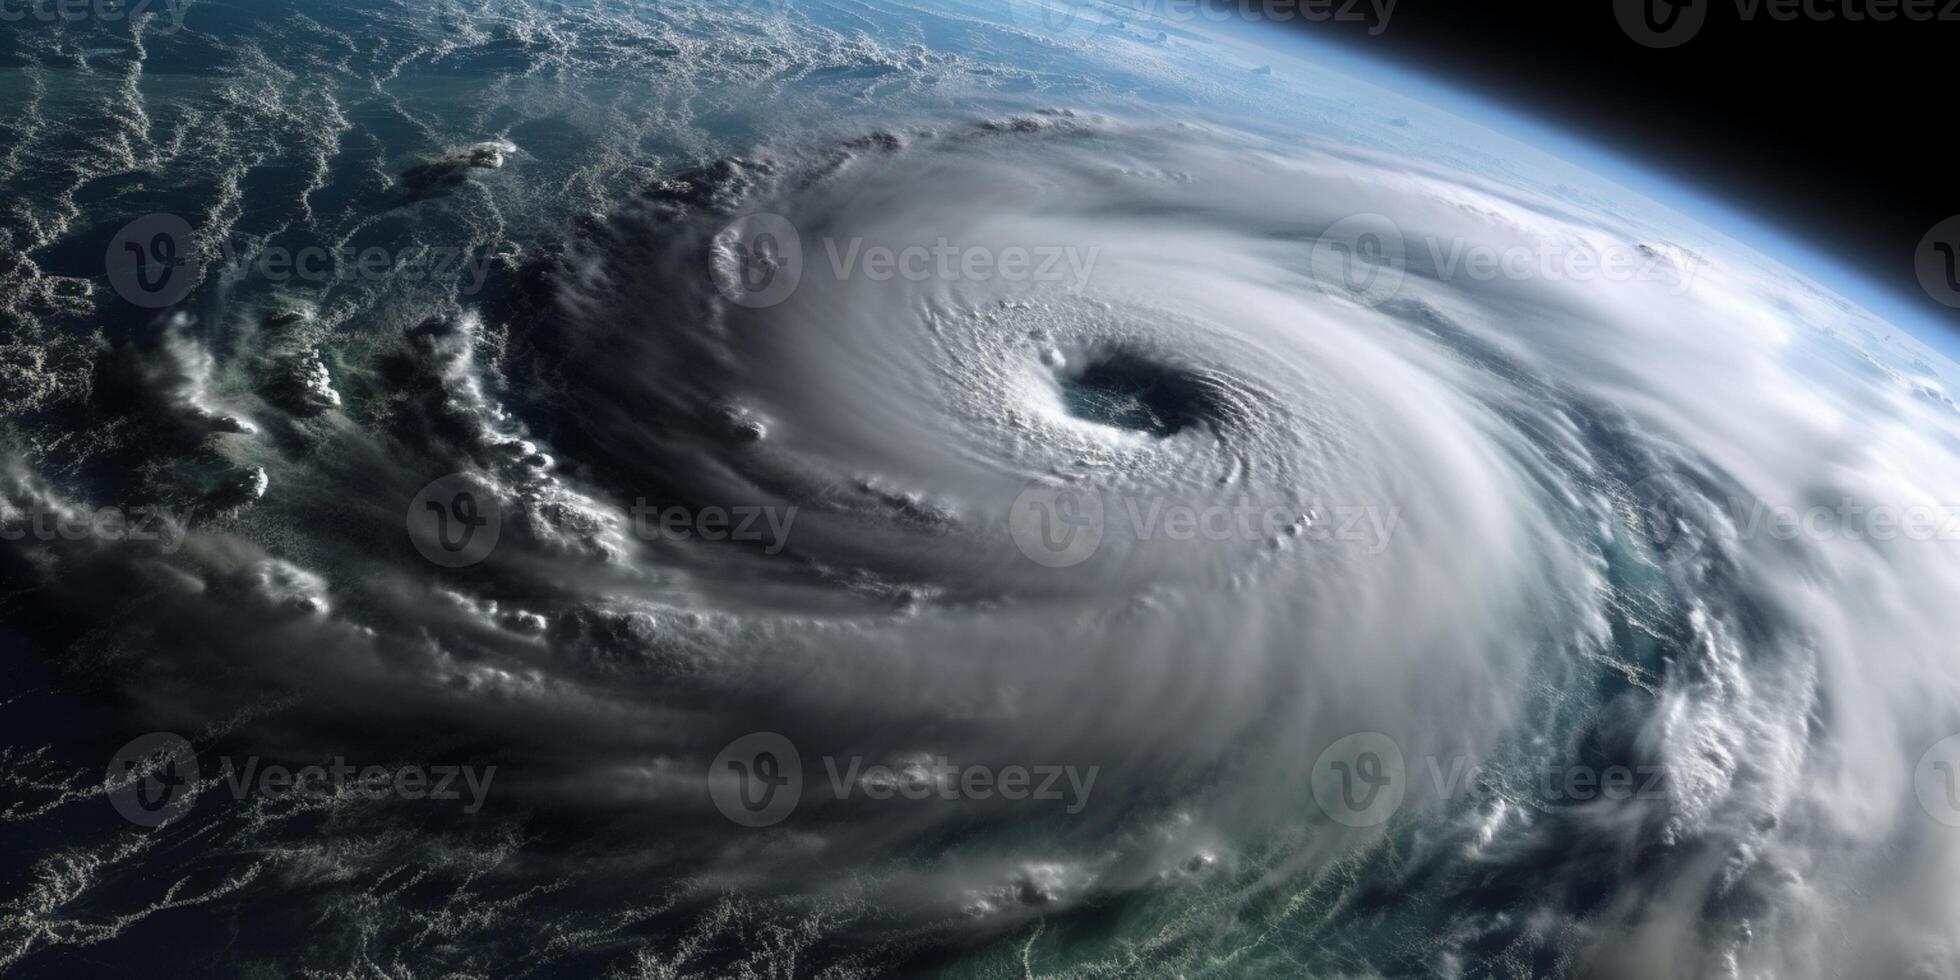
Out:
{"x": 981, "y": 536}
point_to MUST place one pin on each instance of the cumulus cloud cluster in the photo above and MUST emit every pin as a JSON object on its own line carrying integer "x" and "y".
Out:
{"x": 1334, "y": 486}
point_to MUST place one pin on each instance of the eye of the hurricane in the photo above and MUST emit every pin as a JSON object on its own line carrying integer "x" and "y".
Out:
{"x": 1124, "y": 391}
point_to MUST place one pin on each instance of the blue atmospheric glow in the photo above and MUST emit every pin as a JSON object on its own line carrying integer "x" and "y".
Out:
{"x": 1764, "y": 236}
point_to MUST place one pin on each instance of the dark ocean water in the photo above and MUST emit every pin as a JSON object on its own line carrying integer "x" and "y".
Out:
{"x": 434, "y": 349}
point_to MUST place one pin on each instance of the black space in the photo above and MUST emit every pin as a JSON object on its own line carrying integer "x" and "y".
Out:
{"x": 1844, "y": 134}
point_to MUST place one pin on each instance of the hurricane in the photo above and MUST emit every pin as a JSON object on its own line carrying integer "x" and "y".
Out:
{"x": 806, "y": 497}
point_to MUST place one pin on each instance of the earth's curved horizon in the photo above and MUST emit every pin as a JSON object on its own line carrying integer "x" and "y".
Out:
{"x": 767, "y": 489}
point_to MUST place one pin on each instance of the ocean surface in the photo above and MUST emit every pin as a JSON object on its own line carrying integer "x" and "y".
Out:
{"x": 1415, "y": 617}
